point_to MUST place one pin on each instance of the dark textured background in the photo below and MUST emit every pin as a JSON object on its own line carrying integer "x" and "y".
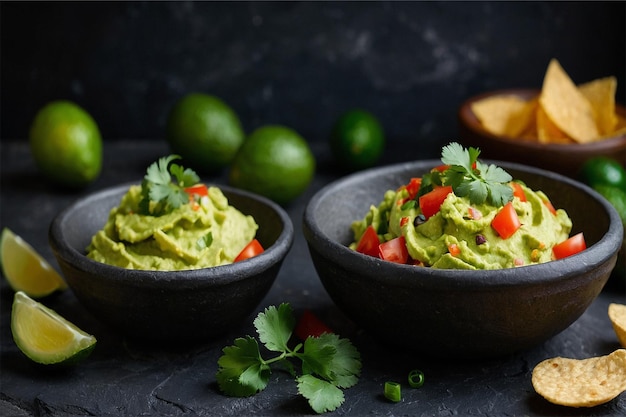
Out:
{"x": 295, "y": 63}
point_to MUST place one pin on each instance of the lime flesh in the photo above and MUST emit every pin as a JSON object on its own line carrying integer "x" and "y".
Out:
{"x": 44, "y": 336}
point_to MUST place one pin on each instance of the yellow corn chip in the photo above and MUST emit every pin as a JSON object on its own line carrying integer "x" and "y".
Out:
{"x": 566, "y": 107}
{"x": 503, "y": 115}
{"x": 547, "y": 131}
{"x": 601, "y": 96}
{"x": 617, "y": 314}
{"x": 581, "y": 383}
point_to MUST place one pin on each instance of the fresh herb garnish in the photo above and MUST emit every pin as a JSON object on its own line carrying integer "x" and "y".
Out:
{"x": 469, "y": 177}
{"x": 328, "y": 362}
{"x": 160, "y": 194}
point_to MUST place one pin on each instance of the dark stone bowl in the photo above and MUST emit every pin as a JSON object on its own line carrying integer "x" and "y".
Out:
{"x": 455, "y": 312}
{"x": 191, "y": 305}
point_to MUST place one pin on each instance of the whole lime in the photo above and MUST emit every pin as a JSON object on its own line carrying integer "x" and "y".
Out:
{"x": 205, "y": 131}
{"x": 602, "y": 170}
{"x": 274, "y": 161}
{"x": 357, "y": 140}
{"x": 66, "y": 144}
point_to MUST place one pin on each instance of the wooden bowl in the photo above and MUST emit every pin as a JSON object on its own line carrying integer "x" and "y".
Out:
{"x": 562, "y": 158}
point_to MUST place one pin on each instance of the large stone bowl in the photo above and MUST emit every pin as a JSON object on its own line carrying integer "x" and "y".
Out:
{"x": 463, "y": 313}
{"x": 178, "y": 306}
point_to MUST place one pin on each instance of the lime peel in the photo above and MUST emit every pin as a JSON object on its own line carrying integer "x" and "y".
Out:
{"x": 25, "y": 269}
{"x": 46, "y": 337}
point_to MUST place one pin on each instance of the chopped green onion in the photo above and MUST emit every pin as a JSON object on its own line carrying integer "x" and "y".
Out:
{"x": 393, "y": 391}
{"x": 416, "y": 378}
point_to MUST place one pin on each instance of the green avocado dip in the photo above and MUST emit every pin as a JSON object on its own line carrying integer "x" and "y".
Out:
{"x": 428, "y": 222}
{"x": 198, "y": 230}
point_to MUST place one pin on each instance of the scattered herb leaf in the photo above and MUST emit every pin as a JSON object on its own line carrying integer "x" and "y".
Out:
{"x": 160, "y": 193}
{"x": 469, "y": 177}
{"x": 328, "y": 362}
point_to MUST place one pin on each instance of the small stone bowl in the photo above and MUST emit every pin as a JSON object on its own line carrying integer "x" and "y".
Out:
{"x": 445, "y": 312}
{"x": 164, "y": 306}
{"x": 566, "y": 159}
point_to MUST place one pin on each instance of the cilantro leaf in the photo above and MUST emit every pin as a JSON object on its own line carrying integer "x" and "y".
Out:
{"x": 321, "y": 395}
{"x": 317, "y": 357}
{"x": 160, "y": 194}
{"x": 471, "y": 178}
{"x": 329, "y": 363}
{"x": 242, "y": 372}
{"x": 275, "y": 326}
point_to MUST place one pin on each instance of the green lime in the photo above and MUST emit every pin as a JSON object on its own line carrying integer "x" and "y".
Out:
{"x": 46, "y": 337}
{"x": 357, "y": 140}
{"x": 25, "y": 269}
{"x": 205, "y": 131}
{"x": 605, "y": 171}
{"x": 616, "y": 196}
{"x": 274, "y": 161}
{"x": 66, "y": 144}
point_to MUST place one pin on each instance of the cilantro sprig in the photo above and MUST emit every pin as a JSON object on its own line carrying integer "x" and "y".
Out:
{"x": 470, "y": 177}
{"x": 328, "y": 363}
{"x": 160, "y": 193}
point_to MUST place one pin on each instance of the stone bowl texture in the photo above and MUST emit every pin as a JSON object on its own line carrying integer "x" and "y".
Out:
{"x": 566, "y": 159}
{"x": 457, "y": 312}
{"x": 164, "y": 306}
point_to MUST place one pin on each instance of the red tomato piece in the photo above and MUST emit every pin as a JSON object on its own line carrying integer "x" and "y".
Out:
{"x": 440, "y": 168}
{"x": 368, "y": 244}
{"x": 252, "y": 249}
{"x": 506, "y": 222}
{"x": 570, "y": 246}
{"x": 198, "y": 189}
{"x": 518, "y": 191}
{"x": 430, "y": 203}
{"x": 550, "y": 207}
{"x": 310, "y": 325}
{"x": 454, "y": 250}
{"x": 413, "y": 187}
{"x": 394, "y": 250}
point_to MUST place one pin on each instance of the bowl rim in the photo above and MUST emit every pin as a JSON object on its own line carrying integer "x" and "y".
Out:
{"x": 470, "y": 121}
{"x": 218, "y": 275}
{"x": 552, "y": 271}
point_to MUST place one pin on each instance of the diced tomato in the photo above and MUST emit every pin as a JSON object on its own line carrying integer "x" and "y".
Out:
{"x": 570, "y": 246}
{"x": 310, "y": 325}
{"x": 198, "y": 189}
{"x": 518, "y": 191}
{"x": 440, "y": 168}
{"x": 454, "y": 249}
{"x": 413, "y": 187}
{"x": 252, "y": 249}
{"x": 394, "y": 250}
{"x": 368, "y": 244}
{"x": 430, "y": 203}
{"x": 550, "y": 207}
{"x": 404, "y": 221}
{"x": 506, "y": 222}
{"x": 474, "y": 214}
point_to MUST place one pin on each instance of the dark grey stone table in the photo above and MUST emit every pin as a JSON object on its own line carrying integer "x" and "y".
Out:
{"x": 125, "y": 378}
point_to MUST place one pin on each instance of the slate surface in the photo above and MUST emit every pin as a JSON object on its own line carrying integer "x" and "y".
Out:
{"x": 124, "y": 378}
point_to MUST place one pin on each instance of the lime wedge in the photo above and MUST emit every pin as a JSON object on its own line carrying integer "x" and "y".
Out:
{"x": 46, "y": 337}
{"x": 25, "y": 269}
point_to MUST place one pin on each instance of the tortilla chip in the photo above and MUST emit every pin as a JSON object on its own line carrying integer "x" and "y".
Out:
{"x": 601, "y": 96}
{"x": 581, "y": 383}
{"x": 567, "y": 107}
{"x": 503, "y": 115}
{"x": 617, "y": 314}
{"x": 547, "y": 131}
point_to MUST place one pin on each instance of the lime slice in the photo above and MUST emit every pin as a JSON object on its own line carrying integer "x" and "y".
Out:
{"x": 46, "y": 337}
{"x": 25, "y": 269}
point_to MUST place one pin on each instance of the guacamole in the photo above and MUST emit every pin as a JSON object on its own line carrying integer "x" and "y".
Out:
{"x": 207, "y": 233}
{"x": 461, "y": 235}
